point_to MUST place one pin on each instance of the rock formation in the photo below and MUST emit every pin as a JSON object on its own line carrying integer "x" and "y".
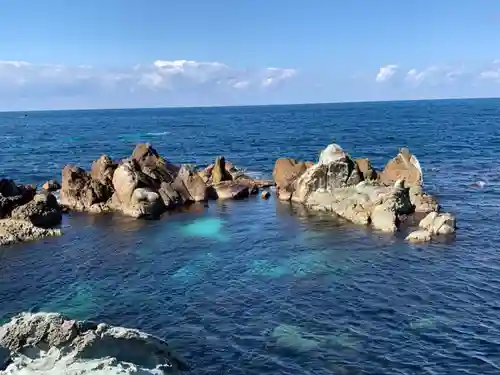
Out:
{"x": 404, "y": 166}
{"x": 25, "y": 215}
{"x": 355, "y": 191}
{"x": 34, "y": 338}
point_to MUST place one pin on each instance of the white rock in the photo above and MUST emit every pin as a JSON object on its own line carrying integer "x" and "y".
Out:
{"x": 419, "y": 236}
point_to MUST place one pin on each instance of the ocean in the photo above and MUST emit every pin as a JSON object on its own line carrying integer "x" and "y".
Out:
{"x": 262, "y": 287}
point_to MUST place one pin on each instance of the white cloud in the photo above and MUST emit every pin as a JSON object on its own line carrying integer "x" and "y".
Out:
{"x": 386, "y": 73}
{"x": 161, "y": 75}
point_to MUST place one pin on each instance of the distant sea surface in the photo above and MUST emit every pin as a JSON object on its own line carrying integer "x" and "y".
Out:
{"x": 261, "y": 287}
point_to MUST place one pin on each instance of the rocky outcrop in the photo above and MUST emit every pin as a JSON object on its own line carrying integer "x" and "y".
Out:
{"x": 188, "y": 179}
{"x": 33, "y": 337}
{"x": 366, "y": 169}
{"x": 80, "y": 192}
{"x": 135, "y": 194}
{"x": 153, "y": 165}
{"x": 219, "y": 172}
{"x": 286, "y": 171}
{"x": 335, "y": 169}
{"x": 353, "y": 190}
{"x": 404, "y": 166}
{"x": 42, "y": 211}
{"x": 13, "y": 231}
{"x": 102, "y": 170}
{"x": 13, "y": 195}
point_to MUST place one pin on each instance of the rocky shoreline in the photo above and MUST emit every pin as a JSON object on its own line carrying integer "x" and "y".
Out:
{"x": 51, "y": 343}
{"x": 145, "y": 185}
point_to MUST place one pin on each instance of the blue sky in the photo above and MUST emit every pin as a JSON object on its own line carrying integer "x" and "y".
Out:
{"x": 124, "y": 53}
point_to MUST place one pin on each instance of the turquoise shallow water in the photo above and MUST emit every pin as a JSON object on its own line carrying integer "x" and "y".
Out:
{"x": 261, "y": 287}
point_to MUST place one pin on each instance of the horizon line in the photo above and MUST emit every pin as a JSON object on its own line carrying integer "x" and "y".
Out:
{"x": 249, "y": 105}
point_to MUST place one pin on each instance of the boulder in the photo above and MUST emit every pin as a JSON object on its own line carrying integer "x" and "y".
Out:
{"x": 265, "y": 194}
{"x": 51, "y": 186}
{"x": 111, "y": 349}
{"x": 219, "y": 172}
{"x": 231, "y": 190}
{"x": 189, "y": 178}
{"x": 13, "y": 195}
{"x": 42, "y": 211}
{"x": 439, "y": 223}
{"x": 171, "y": 197}
{"x": 153, "y": 165}
{"x": 285, "y": 172}
{"x": 423, "y": 202}
{"x": 404, "y": 166}
{"x": 134, "y": 194}
{"x": 80, "y": 192}
{"x": 419, "y": 236}
{"x": 366, "y": 169}
{"x": 102, "y": 170}
{"x": 385, "y": 215}
{"x": 13, "y": 231}
{"x": 334, "y": 170}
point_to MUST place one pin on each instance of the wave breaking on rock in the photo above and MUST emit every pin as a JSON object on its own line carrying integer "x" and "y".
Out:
{"x": 50, "y": 343}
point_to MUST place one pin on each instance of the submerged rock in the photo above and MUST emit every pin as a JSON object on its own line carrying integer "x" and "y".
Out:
{"x": 33, "y": 337}
{"x": 265, "y": 194}
{"x": 420, "y": 235}
{"x": 14, "y": 231}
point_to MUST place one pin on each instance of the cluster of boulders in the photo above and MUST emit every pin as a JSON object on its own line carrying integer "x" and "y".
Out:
{"x": 353, "y": 189}
{"x": 146, "y": 184}
{"x": 28, "y": 338}
{"x": 26, "y": 214}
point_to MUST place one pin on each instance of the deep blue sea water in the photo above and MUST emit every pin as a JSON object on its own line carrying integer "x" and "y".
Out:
{"x": 261, "y": 287}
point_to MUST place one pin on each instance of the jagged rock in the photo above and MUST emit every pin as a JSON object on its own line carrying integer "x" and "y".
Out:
{"x": 423, "y": 202}
{"x": 439, "y": 223}
{"x": 385, "y": 216}
{"x": 231, "y": 190}
{"x": 153, "y": 165}
{"x": 334, "y": 170}
{"x": 80, "y": 192}
{"x": 102, "y": 170}
{"x": 265, "y": 194}
{"x": 189, "y": 178}
{"x": 219, "y": 172}
{"x": 51, "y": 186}
{"x": 366, "y": 169}
{"x": 32, "y": 336}
{"x": 42, "y": 211}
{"x": 404, "y": 166}
{"x": 13, "y": 231}
{"x": 286, "y": 171}
{"x": 13, "y": 195}
{"x": 419, "y": 236}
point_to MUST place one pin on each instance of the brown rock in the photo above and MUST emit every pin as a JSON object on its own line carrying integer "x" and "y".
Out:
{"x": 79, "y": 191}
{"x": 103, "y": 169}
{"x": 285, "y": 172}
{"x": 193, "y": 183}
{"x": 219, "y": 172}
{"x": 153, "y": 165}
{"x": 404, "y": 166}
{"x": 366, "y": 169}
